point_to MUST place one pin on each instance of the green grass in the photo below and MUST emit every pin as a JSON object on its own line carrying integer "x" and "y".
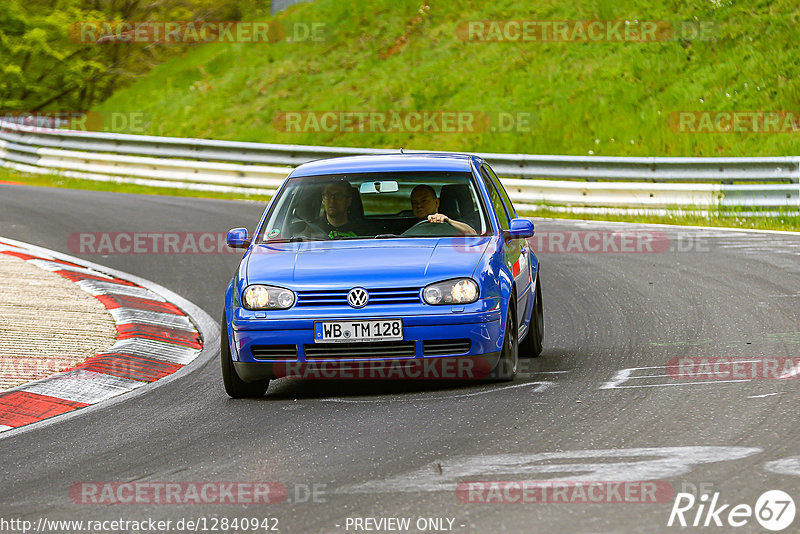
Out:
{"x": 790, "y": 221}
{"x": 601, "y": 98}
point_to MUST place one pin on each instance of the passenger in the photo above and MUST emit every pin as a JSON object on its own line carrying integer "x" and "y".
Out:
{"x": 424, "y": 204}
{"x": 337, "y": 197}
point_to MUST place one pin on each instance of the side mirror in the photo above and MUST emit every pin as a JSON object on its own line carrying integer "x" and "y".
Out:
{"x": 237, "y": 238}
{"x": 520, "y": 229}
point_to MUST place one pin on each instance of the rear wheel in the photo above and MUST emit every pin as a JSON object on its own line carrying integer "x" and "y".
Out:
{"x": 234, "y": 386}
{"x": 506, "y": 368}
{"x": 531, "y": 346}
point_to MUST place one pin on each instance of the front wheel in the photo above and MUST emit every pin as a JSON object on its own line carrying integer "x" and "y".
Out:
{"x": 235, "y": 387}
{"x": 506, "y": 368}
{"x": 532, "y": 345}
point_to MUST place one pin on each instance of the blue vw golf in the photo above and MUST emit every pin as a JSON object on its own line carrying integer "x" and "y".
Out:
{"x": 390, "y": 266}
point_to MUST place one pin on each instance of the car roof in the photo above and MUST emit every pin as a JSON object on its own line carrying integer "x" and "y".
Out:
{"x": 437, "y": 161}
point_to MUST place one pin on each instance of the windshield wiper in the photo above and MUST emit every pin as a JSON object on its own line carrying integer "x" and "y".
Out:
{"x": 386, "y": 236}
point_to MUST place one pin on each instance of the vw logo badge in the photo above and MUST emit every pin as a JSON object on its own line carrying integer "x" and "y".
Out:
{"x": 357, "y": 297}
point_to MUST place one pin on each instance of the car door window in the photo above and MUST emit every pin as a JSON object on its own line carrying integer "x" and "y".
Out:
{"x": 499, "y": 186}
{"x": 497, "y": 201}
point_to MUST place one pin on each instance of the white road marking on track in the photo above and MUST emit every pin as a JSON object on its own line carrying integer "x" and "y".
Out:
{"x": 793, "y": 372}
{"x": 762, "y": 396}
{"x": 540, "y": 386}
{"x": 676, "y": 384}
{"x": 4, "y": 427}
{"x": 611, "y": 464}
{"x": 626, "y": 375}
{"x": 784, "y": 466}
{"x": 83, "y": 386}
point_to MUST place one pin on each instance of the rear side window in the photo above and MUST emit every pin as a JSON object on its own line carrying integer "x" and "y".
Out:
{"x": 496, "y": 199}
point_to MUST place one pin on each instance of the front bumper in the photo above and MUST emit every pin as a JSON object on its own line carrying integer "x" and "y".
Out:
{"x": 479, "y": 324}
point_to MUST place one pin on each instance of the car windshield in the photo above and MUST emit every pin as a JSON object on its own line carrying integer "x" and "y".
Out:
{"x": 376, "y": 206}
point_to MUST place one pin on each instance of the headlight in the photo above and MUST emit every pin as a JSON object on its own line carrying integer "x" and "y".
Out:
{"x": 257, "y": 297}
{"x": 458, "y": 291}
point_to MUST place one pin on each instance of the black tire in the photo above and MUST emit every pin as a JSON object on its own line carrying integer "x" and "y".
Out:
{"x": 506, "y": 368}
{"x": 531, "y": 346}
{"x": 235, "y": 387}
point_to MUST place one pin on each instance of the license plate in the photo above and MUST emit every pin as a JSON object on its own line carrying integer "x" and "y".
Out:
{"x": 349, "y": 331}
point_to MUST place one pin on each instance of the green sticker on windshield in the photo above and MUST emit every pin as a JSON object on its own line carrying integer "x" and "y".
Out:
{"x": 333, "y": 234}
{"x": 273, "y": 232}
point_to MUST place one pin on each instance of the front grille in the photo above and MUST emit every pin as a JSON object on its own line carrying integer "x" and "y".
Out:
{"x": 338, "y": 297}
{"x": 380, "y": 349}
{"x": 274, "y": 352}
{"x": 442, "y": 347}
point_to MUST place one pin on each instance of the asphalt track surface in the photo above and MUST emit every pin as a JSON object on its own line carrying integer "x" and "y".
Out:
{"x": 398, "y": 449}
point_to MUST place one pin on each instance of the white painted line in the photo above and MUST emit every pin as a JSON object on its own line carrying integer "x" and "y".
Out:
{"x": 619, "y": 377}
{"x": 679, "y": 384}
{"x": 96, "y": 287}
{"x": 784, "y": 466}
{"x": 793, "y": 372}
{"x": 158, "y": 350}
{"x": 3, "y": 428}
{"x": 762, "y": 396}
{"x": 539, "y": 387}
{"x": 130, "y": 315}
{"x": 83, "y": 386}
{"x": 602, "y": 464}
{"x": 626, "y": 375}
{"x": 652, "y": 376}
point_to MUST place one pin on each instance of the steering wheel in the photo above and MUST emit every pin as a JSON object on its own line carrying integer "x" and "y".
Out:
{"x": 427, "y": 228}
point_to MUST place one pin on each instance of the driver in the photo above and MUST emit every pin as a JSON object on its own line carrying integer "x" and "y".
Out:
{"x": 424, "y": 204}
{"x": 336, "y": 200}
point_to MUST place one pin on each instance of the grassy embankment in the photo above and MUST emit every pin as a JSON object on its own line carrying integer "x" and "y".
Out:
{"x": 581, "y": 98}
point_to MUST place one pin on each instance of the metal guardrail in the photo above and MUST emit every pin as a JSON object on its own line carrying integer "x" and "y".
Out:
{"x": 638, "y": 182}
{"x": 280, "y": 5}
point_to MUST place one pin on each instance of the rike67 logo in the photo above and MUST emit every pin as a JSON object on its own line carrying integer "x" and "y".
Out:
{"x": 774, "y": 510}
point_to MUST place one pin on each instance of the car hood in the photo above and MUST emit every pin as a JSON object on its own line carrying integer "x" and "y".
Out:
{"x": 374, "y": 263}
